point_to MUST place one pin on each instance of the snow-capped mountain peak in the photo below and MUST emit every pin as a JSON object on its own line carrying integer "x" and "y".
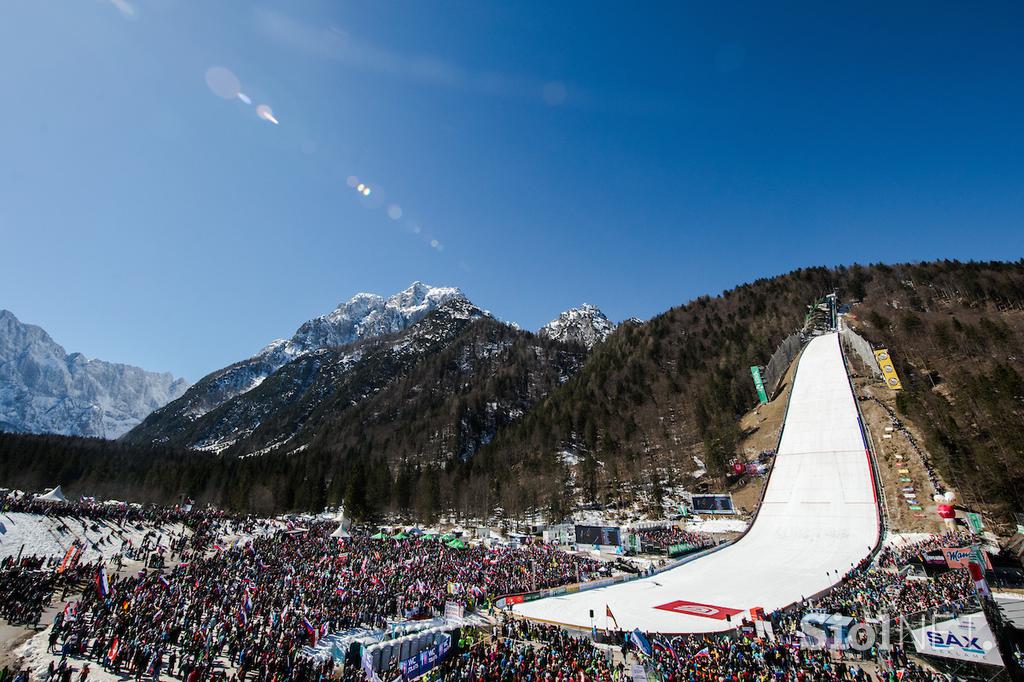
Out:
{"x": 586, "y": 325}
{"x": 362, "y": 316}
{"x": 43, "y": 389}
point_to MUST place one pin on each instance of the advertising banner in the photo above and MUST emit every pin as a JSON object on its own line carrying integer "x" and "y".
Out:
{"x": 959, "y": 557}
{"x": 892, "y": 380}
{"x": 427, "y": 659}
{"x": 713, "y": 504}
{"x": 692, "y": 608}
{"x": 755, "y": 371}
{"x": 974, "y": 521}
{"x": 680, "y": 549}
{"x": 453, "y": 610}
{"x": 967, "y": 638}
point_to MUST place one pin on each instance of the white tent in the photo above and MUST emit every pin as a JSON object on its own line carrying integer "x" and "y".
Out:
{"x": 341, "y": 531}
{"x": 55, "y": 495}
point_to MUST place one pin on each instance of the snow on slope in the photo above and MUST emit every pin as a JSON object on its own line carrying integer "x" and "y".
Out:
{"x": 37, "y": 535}
{"x": 361, "y": 317}
{"x": 819, "y": 516}
{"x": 586, "y": 325}
{"x": 45, "y": 390}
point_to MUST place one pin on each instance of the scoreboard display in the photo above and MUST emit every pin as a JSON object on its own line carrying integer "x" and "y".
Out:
{"x": 598, "y": 535}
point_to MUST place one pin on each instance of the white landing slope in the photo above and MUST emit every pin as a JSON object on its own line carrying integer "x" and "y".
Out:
{"x": 818, "y": 518}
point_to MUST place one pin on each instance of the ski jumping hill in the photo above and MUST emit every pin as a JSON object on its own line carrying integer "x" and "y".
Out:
{"x": 818, "y": 518}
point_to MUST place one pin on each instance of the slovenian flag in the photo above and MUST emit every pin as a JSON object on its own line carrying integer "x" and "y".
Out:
{"x": 102, "y": 586}
{"x": 310, "y": 629}
{"x": 165, "y": 581}
{"x": 642, "y": 643}
{"x": 703, "y": 653}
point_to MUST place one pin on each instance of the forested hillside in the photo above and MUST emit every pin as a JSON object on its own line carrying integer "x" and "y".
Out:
{"x": 957, "y": 337}
{"x": 502, "y": 419}
{"x": 655, "y": 395}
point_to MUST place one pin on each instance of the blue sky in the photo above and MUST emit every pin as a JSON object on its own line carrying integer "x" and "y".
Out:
{"x": 628, "y": 155}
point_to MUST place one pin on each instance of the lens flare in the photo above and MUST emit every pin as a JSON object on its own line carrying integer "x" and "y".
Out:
{"x": 223, "y": 83}
{"x": 266, "y": 113}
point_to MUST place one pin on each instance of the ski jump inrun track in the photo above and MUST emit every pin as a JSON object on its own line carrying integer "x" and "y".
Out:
{"x": 818, "y": 517}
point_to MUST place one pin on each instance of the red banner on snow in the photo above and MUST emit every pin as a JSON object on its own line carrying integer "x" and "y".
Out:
{"x": 692, "y": 608}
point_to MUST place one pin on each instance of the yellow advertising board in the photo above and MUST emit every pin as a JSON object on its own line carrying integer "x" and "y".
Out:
{"x": 892, "y": 380}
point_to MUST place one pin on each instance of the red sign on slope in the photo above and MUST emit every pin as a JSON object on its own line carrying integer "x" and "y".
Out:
{"x": 692, "y": 608}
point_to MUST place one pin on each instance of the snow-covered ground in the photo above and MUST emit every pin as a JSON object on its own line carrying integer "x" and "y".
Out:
{"x": 818, "y": 518}
{"x": 903, "y": 539}
{"x": 32, "y": 534}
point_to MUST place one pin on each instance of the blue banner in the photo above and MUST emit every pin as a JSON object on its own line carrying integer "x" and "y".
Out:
{"x": 426, "y": 659}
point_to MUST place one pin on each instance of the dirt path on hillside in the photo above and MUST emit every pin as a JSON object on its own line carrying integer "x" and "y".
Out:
{"x": 761, "y": 427}
{"x": 903, "y": 476}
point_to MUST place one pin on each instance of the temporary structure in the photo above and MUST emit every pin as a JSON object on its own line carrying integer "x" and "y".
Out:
{"x": 341, "y": 532}
{"x": 55, "y": 495}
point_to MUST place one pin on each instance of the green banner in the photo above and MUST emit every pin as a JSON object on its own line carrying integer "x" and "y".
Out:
{"x": 755, "y": 371}
{"x": 680, "y": 549}
{"x": 974, "y": 521}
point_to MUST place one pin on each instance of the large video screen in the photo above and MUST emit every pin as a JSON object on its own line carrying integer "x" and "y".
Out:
{"x": 713, "y": 504}
{"x": 597, "y": 535}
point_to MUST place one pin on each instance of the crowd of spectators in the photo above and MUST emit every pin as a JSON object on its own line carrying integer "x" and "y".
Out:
{"x": 658, "y": 540}
{"x": 894, "y": 556}
{"x": 519, "y": 651}
{"x": 249, "y": 608}
{"x": 530, "y": 653}
{"x": 118, "y": 512}
{"x": 245, "y": 609}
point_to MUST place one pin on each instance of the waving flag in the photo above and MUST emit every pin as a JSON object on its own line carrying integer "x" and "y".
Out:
{"x": 309, "y": 629}
{"x": 642, "y": 643}
{"x": 114, "y": 647}
{"x": 68, "y": 557}
{"x": 608, "y": 614}
{"x": 703, "y": 653}
{"x": 102, "y": 586}
{"x": 165, "y": 581}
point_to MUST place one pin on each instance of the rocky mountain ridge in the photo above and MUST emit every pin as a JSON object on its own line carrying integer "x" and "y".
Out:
{"x": 43, "y": 389}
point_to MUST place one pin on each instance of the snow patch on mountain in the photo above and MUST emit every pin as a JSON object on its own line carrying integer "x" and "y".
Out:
{"x": 586, "y": 325}
{"x": 362, "y": 316}
{"x": 45, "y": 390}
